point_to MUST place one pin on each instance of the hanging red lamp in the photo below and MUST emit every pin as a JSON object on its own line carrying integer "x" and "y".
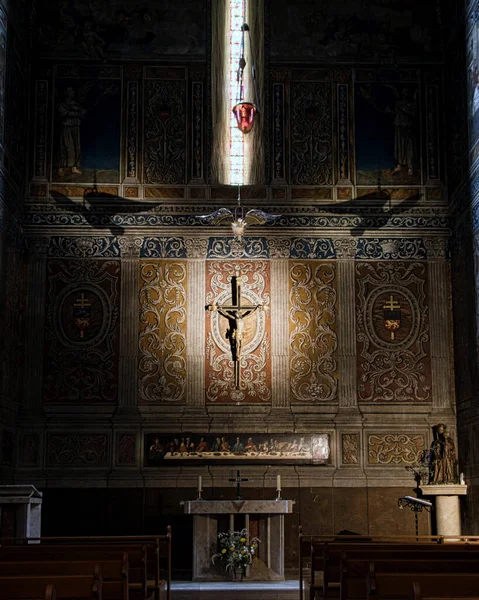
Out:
{"x": 244, "y": 113}
{"x": 243, "y": 110}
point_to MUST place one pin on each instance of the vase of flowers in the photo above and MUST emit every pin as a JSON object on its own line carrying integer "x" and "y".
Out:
{"x": 236, "y": 552}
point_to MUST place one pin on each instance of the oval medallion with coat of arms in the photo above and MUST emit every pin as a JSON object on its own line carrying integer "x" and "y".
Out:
{"x": 392, "y": 317}
{"x": 82, "y": 315}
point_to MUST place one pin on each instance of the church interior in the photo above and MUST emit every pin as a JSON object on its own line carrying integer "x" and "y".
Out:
{"x": 239, "y": 264}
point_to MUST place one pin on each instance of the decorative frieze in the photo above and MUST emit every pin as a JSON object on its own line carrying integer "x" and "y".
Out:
{"x": 85, "y": 247}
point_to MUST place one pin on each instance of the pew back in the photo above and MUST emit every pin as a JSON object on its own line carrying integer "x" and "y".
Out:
{"x": 66, "y": 586}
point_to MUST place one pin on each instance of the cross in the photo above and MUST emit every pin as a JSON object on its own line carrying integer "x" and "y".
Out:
{"x": 82, "y": 302}
{"x": 238, "y": 481}
{"x": 235, "y": 313}
{"x": 392, "y": 304}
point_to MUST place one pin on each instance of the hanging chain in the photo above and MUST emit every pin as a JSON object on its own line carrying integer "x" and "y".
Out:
{"x": 242, "y": 60}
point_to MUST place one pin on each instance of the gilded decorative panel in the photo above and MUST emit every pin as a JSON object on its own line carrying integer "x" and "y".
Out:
{"x": 350, "y": 448}
{"x": 394, "y": 449}
{"x": 162, "y": 341}
{"x": 313, "y": 332}
{"x": 393, "y": 332}
{"x": 77, "y": 449}
{"x": 255, "y": 347}
{"x": 81, "y": 358}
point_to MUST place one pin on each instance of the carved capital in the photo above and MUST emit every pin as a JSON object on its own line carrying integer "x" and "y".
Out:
{"x": 130, "y": 247}
{"x": 437, "y": 247}
{"x": 279, "y": 247}
{"x": 196, "y": 247}
{"x": 345, "y": 248}
{"x": 38, "y": 246}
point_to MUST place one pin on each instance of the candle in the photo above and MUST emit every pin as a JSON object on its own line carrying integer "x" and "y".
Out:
{"x": 278, "y": 483}
{"x": 200, "y": 489}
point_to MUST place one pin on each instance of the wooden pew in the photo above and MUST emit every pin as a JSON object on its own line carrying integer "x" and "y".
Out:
{"x": 50, "y": 594}
{"x": 326, "y": 557}
{"x": 114, "y": 562}
{"x": 88, "y": 587}
{"x": 354, "y": 573}
{"x": 449, "y": 591}
{"x": 114, "y": 572}
{"x": 397, "y": 586}
{"x": 149, "y": 557}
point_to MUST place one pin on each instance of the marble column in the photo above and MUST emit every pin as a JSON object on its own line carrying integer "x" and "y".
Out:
{"x": 279, "y": 249}
{"x": 447, "y": 507}
{"x": 35, "y": 321}
{"x": 196, "y": 249}
{"x": 345, "y": 252}
{"x": 130, "y": 255}
{"x": 439, "y": 322}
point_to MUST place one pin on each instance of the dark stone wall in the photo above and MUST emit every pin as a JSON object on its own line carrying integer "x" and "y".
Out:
{"x": 128, "y": 511}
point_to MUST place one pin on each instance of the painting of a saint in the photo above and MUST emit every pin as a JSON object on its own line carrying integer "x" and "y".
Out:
{"x": 387, "y": 134}
{"x": 86, "y": 142}
{"x": 71, "y": 113}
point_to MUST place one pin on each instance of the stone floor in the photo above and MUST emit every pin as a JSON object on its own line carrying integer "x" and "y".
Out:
{"x": 226, "y": 590}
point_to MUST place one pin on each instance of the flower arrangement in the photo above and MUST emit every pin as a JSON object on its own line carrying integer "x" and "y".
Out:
{"x": 236, "y": 550}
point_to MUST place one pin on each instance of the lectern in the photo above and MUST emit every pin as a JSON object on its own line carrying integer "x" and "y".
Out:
{"x": 207, "y": 513}
{"x": 20, "y": 511}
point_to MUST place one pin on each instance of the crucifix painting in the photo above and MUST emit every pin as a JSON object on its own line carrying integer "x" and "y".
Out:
{"x": 237, "y": 343}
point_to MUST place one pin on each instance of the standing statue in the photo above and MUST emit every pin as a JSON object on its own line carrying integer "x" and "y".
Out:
{"x": 443, "y": 462}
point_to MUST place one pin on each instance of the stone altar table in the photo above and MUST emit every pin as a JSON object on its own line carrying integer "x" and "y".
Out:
{"x": 206, "y": 514}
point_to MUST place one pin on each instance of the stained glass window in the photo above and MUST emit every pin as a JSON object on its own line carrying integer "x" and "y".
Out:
{"x": 237, "y": 146}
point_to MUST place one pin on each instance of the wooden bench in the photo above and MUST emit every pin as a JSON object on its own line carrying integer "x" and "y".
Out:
{"x": 329, "y": 570}
{"x": 114, "y": 565}
{"x": 149, "y": 557}
{"x": 355, "y": 573}
{"x": 87, "y": 587}
{"x": 398, "y": 586}
{"x": 114, "y": 572}
{"x": 449, "y": 591}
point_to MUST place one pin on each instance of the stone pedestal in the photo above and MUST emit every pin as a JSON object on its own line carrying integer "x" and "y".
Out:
{"x": 448, "y": 513}
{"x": 23, "y": 504}
{"x": 205, "y": 531}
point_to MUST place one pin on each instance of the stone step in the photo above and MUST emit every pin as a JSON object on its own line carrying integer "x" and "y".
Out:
{"x": 235, "y": 590}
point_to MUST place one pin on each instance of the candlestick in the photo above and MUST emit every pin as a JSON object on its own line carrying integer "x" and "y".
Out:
{"x": 278, "y": 483}
{"x": 200, "y": 488}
